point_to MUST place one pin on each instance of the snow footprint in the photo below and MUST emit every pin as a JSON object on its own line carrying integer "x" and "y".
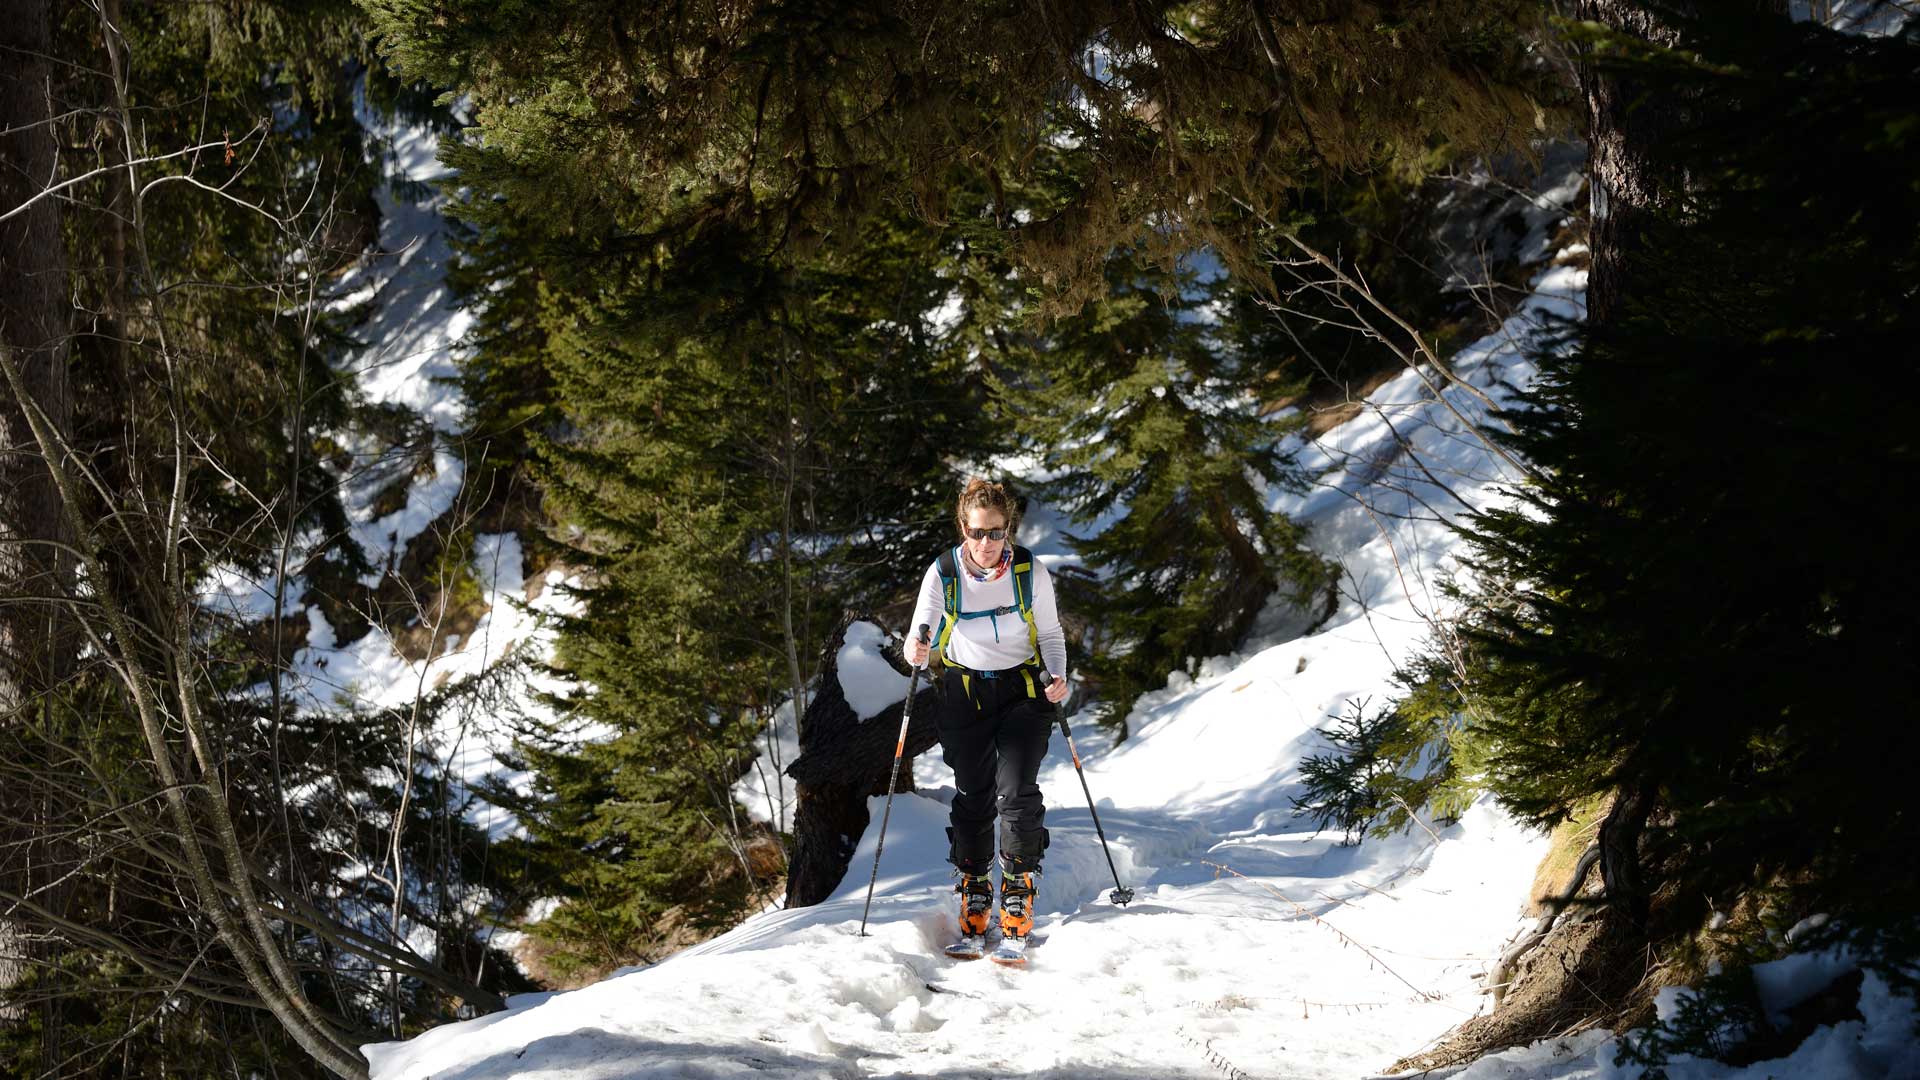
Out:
{"x": 896, "y": 997}
{"x": 910, "y": 1017}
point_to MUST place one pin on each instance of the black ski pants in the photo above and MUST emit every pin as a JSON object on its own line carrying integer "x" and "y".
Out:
{"x": 993, "y": 735}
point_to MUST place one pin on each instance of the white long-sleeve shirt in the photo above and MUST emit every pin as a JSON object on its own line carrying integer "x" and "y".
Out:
{"x": 996, "y": 643}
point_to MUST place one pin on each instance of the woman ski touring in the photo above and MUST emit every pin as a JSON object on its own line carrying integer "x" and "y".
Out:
{"x": 999, "y": 638}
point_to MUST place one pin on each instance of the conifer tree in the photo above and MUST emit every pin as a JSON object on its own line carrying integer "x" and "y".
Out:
{"x": 1183, "y": 123}
{"x": 643, "y": 209}
{"x": 749, "y": 448}
{"x": 1709, "y": 618}
{"x": 1154, "y": 405}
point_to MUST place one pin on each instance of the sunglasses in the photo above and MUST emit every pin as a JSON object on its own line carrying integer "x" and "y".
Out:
{"x": 985, "y": 534}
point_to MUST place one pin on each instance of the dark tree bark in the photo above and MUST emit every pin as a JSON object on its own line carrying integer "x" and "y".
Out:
{"x": 1620, "y": 870}
{"x": 36, "y": 642}
{"x": 1624, "y": 127}
{"x": 842, "y": 761}
{"x": 33, "y": 331}
{"x": 1592, "y": 966}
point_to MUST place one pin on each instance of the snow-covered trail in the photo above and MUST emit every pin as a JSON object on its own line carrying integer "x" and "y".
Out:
{"x": 1204, "y": 972}
{"x": 1322, "y": 961}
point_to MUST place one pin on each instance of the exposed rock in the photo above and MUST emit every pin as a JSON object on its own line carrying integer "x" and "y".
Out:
{"x": 842, "y": 761}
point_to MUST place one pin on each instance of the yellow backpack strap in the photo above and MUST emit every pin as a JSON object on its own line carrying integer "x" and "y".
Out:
{"x": 1023, "y": 596}
{"x": 950, "y": 594}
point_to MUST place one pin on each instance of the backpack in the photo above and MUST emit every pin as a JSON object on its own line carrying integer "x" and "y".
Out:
{"x": 1022, "y": 596}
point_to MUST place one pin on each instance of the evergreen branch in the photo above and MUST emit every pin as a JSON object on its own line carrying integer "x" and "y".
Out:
{"x": 1283, "y": 80}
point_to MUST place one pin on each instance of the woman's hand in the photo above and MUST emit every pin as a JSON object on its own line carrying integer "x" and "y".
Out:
{"x": 1057, "y": 691}
{"x": 916, "y": 652}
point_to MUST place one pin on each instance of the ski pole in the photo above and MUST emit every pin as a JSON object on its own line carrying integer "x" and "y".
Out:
{"x": 1121, "y": 895}
{"x": 899, "y": 749}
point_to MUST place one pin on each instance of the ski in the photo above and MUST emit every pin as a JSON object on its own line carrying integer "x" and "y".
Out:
{"x": 1011, "y": 952}
{"x": 969, "y": 947}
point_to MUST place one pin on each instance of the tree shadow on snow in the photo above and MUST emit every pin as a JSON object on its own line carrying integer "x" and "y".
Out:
{"x": 1060, "y": 1072}
{"x": 596, "y": 1054}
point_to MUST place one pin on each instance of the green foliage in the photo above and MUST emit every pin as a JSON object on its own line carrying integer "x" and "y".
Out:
{"x": 213, "y": 274}
{"x": 1169, "y": 127}
{"x": 139, "y": 1034}
{"x": 1723, "y": 1018}
{"x": 1419, "y": 750}
{"x": 1442, "y": 749}
{"x": 630, "y": 822}
{"x": 1712, "y": 1022}
{"x": 136, "y": 984}
{"x": 207, "y": 318}
{"x": 740, "y": 449}
{"x": 1342, "y": 787}
{"x": 706, "y": 247}
{"x": 1147, "y": 406}
{"x": 1709, "y": 592}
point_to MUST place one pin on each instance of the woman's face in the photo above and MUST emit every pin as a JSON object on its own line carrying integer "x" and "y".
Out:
{"x": 984, "y": 552}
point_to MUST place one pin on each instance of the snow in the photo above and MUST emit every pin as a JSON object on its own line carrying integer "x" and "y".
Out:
{"x": 236, "y": 594}
{"x": 868, "y": 682}
{"x": 765, "y": 790}
{"x": 1112, "y": 992}
{"x": 413, "y": 332}
{"x": 1880, "y": 1045}
{"x": 416, "y": 330}
{"x": 369, "y": 673}
{"x": 1251, "y": 941}
{"x": 1868, "y": 18}
{"x": 1790, "y": 980}
{"x": 1253, "y": 947}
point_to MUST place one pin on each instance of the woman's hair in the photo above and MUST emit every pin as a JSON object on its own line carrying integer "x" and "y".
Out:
{"x": 981, "y": 494}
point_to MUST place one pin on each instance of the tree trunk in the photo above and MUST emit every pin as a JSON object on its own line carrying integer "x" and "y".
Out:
{"x": 1627, "y": 892}
{"x": 35, "y": 643}
{"x": 1591, "y": 967}
{"x": 1243, "y": 597}
{"x": 1625, "y": 126}
{"x": 844, "y": 760}
{"x": 33, "y": 328}
{"x": 1622, "y": 132}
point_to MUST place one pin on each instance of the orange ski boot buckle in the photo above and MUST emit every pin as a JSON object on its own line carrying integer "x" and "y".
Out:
{"x": 1016, "y": 904}
{"x": 976, "y": 903}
